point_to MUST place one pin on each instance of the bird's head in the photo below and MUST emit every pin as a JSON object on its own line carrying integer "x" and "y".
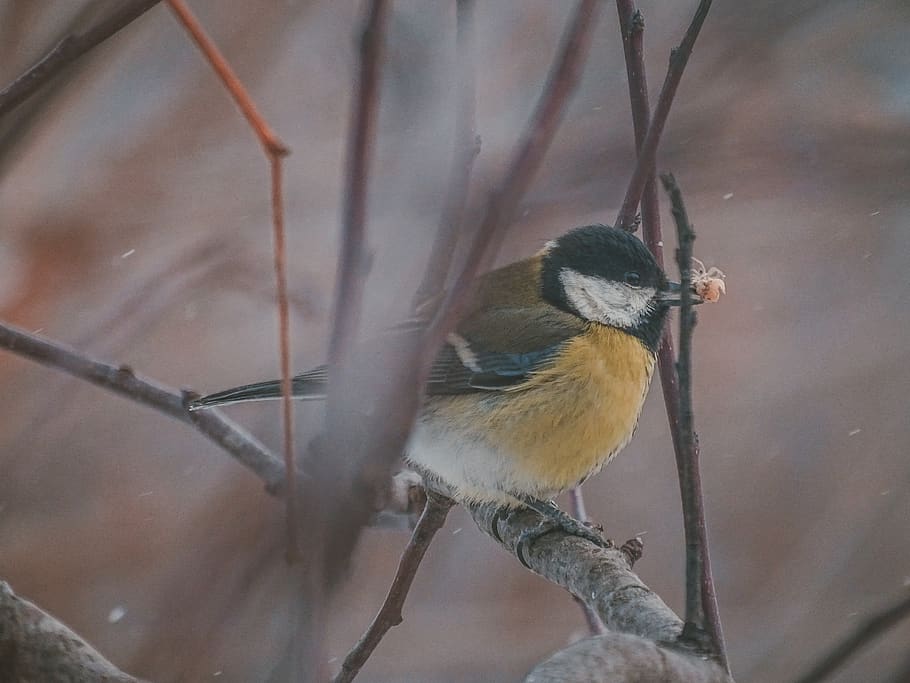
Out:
{"x": 607, "y": 276}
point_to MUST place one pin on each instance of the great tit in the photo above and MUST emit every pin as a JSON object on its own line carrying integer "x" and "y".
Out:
{"x": 544, "y": 378}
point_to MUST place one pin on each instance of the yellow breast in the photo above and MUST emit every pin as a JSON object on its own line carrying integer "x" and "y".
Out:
{"x": 567, "y": 421}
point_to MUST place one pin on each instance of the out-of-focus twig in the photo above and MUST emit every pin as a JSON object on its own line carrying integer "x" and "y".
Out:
{"x": 647, "y": 154}
{"x": 275, "y": 150}
{"x": 870, "y": 629}
{"x": 701, "y": 599}
{"x": 562, "y": 80}
{"x": 352, "y": 264}
{"x": 577, "y": 506}
{"x": 467, "y": 147}
{"x": 389, "y": 615}
{"x": 70, "y": 49}
{"x": 37, "y": 647}
{"x": 245, "y": 448}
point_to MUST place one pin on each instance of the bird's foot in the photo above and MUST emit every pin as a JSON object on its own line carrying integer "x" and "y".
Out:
{"x": 555, "y": 519}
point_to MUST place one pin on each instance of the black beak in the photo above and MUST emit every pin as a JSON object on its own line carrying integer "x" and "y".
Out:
{"x": 671, "y": 295}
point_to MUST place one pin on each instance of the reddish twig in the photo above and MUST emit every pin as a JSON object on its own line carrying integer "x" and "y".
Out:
{"x": 69, "y": 50}
{"x": 648, "y": 149}
{"x": 701, "y": 600}
{"x": 467, "y": 147}
{"x": 561, "y": 83}
{"x": 242, "y": 446}
{"x": 352, "y": 264}
{"x": 275, "y": 150}
{"x": 389, "y": 615}
{"x": 866, "y": 632}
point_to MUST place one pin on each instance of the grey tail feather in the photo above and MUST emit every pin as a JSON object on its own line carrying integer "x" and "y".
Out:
{"x": 301, "y": 388}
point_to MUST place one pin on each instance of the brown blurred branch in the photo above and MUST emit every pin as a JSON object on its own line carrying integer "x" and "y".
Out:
{"x": 870, "y": 629}
{"x": 701, "y": 599}
{"x": 275, "y": 150}
{"x": 562, "y": 80}
{"x": 389, "y": 615}
{"x": 647, "y": 154}
{"x": 34, "y": 646}
{"x": 467, "y": 147}
{"x": 68, "y": 50}
{"x": 241, "y": 445}
{"x": 352, "y": 264}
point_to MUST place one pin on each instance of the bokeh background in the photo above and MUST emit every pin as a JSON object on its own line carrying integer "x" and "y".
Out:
{"x": 135, "y": 226}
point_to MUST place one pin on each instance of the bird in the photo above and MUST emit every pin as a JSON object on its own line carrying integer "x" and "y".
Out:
{"x": 542, "y": 381}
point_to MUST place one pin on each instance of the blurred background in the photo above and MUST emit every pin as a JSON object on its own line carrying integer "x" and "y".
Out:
{"x": 135, "y": 226}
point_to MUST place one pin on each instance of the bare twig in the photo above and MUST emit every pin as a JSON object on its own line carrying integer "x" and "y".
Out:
{"x": 241, "y": 445}
{"x": 467, "y": 146}
{"x": 577, "y": 506}
{"x": 389, "y": 615}
{"x": 275, "y": 150}
{"x": 870, "y": 629}
{"x": 561, "y": 83}
{"x": 34, "y": 646}
{"x": 648, "y": 148}
{"x": 69, "y": 50}
{"x": 701, "y": 600}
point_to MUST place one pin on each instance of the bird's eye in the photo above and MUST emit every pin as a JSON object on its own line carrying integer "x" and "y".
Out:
{"x": 632, "y": 279}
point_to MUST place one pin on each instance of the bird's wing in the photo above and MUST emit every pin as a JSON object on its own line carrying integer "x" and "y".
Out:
{"x": 499, "y": 351}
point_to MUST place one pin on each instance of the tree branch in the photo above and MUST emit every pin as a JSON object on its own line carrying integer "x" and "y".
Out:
{"x": 238, "y": 443}
{"x": 701, "y": 599}
{"x": 870, "y": 629}
{"x": 34, "y": 646}
{"x": 389, "y": 615}
{"x": 275, "y": 150}
{"x": 68, "y": 50}
{"x": 647, "y": 155}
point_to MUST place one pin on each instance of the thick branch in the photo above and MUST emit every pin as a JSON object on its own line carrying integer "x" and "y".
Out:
{"x": 36, "y": 647}
{"x": 600, "y": 577}
{"x": 68, "y": 51}
{"x": 624, "y": 658}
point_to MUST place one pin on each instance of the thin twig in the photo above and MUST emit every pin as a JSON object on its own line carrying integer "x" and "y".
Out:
{"x": 389, "y": 615}
{"x": 562, "y": 80}
{"x": 870, "y": 629}
{"x": 701, "y": 600}
{"x": 648, "y": 149}
{"x": 241, "y": 445}
{"x": 579, "y": 512}
{"x": 352, "y": 264}
{"x": 275, "y": 150}
{"x": 69, "y": 50}
{"x": 467, "y": 147}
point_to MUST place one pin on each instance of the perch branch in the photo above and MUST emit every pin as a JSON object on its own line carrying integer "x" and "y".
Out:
{"x": 701, "y": 599}
{"x": 68, "y": 51}
{"x": 389, "y": 615}
{"x": 870, "y": 629}
{"x": 647, "y": 155}
{"x": 275, "y": 150}
{"x": 34, "y": 646}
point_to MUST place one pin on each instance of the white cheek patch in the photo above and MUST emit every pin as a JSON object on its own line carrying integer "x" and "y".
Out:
{"x": 610, "y": 303}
